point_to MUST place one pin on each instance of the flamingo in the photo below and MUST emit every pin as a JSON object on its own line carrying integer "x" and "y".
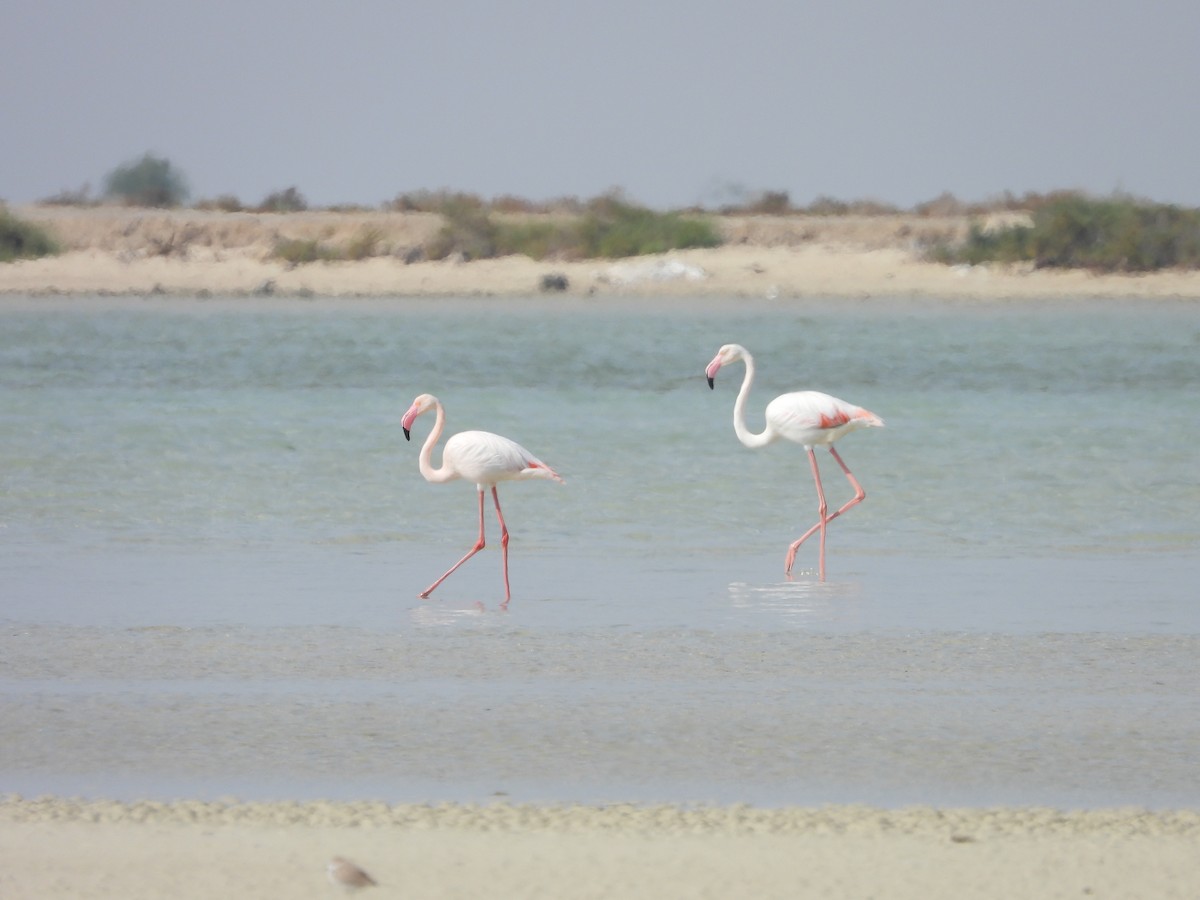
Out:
{"x": 807, "y": 418}
{"x": 478, "y": 456}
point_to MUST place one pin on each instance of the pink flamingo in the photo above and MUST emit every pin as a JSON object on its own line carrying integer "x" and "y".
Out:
{"x": 478, "y": 456}
{"x": 807, "y": 418}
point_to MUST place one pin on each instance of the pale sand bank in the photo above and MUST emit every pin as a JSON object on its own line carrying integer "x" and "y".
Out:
{"x": 51, "y": 848}
{"x": 741, "y": 271}
{"x": 119, "y": 251}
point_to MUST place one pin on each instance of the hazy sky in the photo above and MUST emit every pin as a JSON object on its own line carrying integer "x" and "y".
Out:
{"x": 674, "y": 102}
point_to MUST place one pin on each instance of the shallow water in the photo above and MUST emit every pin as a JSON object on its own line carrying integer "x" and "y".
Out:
{"x": 213, "y": 534}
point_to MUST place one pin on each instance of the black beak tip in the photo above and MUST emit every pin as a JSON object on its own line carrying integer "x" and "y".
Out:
{"x": 710, "y": 384}
{"x": 407, "y": 437}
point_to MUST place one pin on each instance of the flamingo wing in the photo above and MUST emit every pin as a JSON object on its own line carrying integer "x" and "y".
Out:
{"x": 811, "y": 417}
{"x": 486, "y": 458}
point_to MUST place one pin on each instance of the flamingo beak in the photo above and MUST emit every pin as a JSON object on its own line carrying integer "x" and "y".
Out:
{"x": 406, "y": 420}
{"x": 711, "y": 370}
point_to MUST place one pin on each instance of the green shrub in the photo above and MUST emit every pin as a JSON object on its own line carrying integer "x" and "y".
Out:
{"x": 23, "y": 240}
{"x": 364, "y": 245}
{"x": 150, "y": 181}
{"x": 612, "y": 229}
{"x": 298, "y": 251}
{"x": 285, "y": 201}
{"x": 1107, "y": 235}
{"x": 1008, "y": 245}
{"x": 1115, "y": 235}
{"x": 537, "y": 239}
{"x": 830, "y": 206}
{"x": 223, "y": 203}
{"x": 468, "y": 230}
{"x": 81, "y": 196}
{"x": 441, "y": 201}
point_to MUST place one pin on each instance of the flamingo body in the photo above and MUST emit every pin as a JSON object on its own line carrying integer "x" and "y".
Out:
{"x": 811, "y": 418}
{"x": 476, "y": 456}
{"x": 487, "y": 459}
{"x": 808, "y": 418}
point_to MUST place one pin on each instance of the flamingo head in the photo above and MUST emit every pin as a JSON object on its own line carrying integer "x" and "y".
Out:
{"x": 727, "y": 354}
{"x": 423, "y": 403}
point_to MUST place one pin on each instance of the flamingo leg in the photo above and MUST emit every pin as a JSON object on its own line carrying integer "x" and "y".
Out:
{"x": 859, "y": 496}
{"x": 479, "y": 545}
{"x": 503, "y": 539}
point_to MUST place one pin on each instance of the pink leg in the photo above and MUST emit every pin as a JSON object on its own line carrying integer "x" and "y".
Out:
{"x": 859, "y": 496}
{"x": 503, "y": 539}
{"x": 479, "y": 545}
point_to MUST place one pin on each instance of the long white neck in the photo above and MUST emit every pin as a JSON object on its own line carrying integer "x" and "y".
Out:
{"x": 744, "y": 434}
{"x": 425, "y": 460}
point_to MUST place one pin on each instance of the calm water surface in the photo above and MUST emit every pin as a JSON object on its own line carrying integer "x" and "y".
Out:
{"x": 212, "y": 534}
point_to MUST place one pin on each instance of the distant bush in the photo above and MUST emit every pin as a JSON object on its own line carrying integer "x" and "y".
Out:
{"x": 364, "y": 245}
{"x": 443, "y": 201}
{"x": 1115, "y": 235}
{"x": 23, "y": 240}
{"x": 1007, "y": 245}
{"x": 468, "y": 231}
{"x": 150, "y": 181}
{"x": 764, "y": 203}
{"x": 943, "y": 205}
{"x": 81, "y": 196}
{"x": 223, "y": 203}
{"x": 298, "y": 251}
{"x": 609, "y": 227}
{"x": 613, "y": 228}
{"x": 348, "y": 208}
{"x": 507, "y": 203}
{"x": 829, "y": 206}
{"x": 285, "y": 201}
{"x": 535, "y": 238}
{"x": 1107, "y": 235}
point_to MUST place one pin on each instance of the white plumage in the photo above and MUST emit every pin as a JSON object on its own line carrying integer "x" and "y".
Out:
{"x": 480, "y": 457}
{"x": 808, "y": 418}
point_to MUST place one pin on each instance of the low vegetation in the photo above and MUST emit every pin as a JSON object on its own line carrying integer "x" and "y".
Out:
{"x": 608, "y": 228}
{"x": 149, "y": 181}
{"x": 285, "y": 201}
{"x": 298, "y": 251}
{"x": 613, "y": 228}
{"x": 1063, "y": 229}
{"x": 23, "y": 240}
{"x": 1079, "y": 232}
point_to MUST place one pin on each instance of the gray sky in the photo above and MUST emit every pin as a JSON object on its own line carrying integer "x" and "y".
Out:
{"x": 674, "y": 102}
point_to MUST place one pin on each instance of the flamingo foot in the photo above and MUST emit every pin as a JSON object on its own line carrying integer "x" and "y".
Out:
{"x": 795, "y": 546}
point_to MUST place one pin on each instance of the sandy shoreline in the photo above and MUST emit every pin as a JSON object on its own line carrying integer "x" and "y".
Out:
{"x": 115, "y": 251}
{"x": 55, "y": 847}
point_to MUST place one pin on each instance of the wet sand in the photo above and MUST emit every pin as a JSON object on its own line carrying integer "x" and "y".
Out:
{"x": 51, "y": 847}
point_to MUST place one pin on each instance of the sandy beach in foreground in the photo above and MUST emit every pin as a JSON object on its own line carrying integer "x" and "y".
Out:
{"x": 119, "y": 251}
{"x": 53, "y": 847}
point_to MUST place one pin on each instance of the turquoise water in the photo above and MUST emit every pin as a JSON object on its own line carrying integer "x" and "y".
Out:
{"x": 213, "y": 534}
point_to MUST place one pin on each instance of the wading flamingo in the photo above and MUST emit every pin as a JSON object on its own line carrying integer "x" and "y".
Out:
{"x": 805, "y": 417}
{"x": 478, "y": 456}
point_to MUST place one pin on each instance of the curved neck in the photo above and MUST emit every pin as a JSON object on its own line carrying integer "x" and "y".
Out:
{"x": 744, "y": 434}
{"x": 425, "y": 460}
